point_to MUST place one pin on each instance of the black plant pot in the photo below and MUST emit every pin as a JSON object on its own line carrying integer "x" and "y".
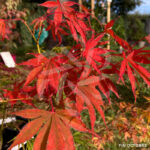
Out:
{"x": 9, "y": 133}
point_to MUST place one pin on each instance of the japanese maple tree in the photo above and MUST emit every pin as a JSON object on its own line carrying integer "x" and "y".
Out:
{"x": 71, "y": 81}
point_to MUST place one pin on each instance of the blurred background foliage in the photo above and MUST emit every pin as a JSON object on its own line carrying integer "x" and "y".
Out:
{"x": 20, "y": 41}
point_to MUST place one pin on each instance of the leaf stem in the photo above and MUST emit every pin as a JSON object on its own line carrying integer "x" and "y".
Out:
{"x": 25, "y": 23}
{"x": 10, "y": 100}
{"x": 51, "y": 103}
{"x": 38, "y": 48}
{"x": 36, "y": 40}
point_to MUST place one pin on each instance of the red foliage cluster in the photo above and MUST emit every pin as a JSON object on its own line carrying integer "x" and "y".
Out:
{"x": 72, "y": 82}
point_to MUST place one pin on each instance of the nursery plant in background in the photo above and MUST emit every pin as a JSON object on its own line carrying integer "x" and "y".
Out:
{"x": 73, "y": 80}
{"x": 136, "y": 25}
{"x": 8, "y": 10}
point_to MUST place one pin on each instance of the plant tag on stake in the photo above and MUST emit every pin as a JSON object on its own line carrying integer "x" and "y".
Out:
{"x": 8, "y": 59}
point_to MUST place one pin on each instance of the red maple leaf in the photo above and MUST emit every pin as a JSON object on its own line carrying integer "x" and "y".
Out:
{"x": 52, "y": 129}
{"x": 17, "y": 94}
{"x": 4, "y": 29}
{"x": 57, "y": 31}
{"x": 48, "y": 72}
{"x": 60, "y": 8}
{"x": 93, "y": 54}
{"x": 87, "y": 96}
{"x": 131, "y": 58}
{"x": 74, "y": 19}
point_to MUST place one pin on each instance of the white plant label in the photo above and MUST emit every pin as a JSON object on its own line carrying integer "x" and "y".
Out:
{"x": 8, "y": 59}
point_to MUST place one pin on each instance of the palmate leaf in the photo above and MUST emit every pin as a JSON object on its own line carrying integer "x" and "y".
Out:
{"x": 76, "y": 25}
{"x": 74, "y": 19}
{"x": 46, "y": 71}
{"x": 141, "y": 70}
{"x": 52, "y": 129}
{"x": 87, "y": 96}
{"x": 90, "y": 99}
{"x": 49, "y": 76}
{"x": 126, "y": 66}
{"x": 60, "y": 9}
{"x": 93, "y": 54}
{"x": 131, "y": 58}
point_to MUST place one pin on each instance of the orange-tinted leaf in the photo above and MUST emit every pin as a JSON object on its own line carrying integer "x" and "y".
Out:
{"x": 87, "y": 93}
{"x": 79, "y": 104}
{"x": 127, "y": 135}
{"x": 70, "y": 117}
{"x": 42, "y": 82}
{"x": 30, "y": 113}
{"x": 52, "y": 129}
{"x": 90, "y": 80}
{"x": 28, "y": 132}
{"x": 40, "y": 142}
{"x": 60, "y": 136}
{"x": 92, "y": 98}
{"x": 50, "y": 76}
